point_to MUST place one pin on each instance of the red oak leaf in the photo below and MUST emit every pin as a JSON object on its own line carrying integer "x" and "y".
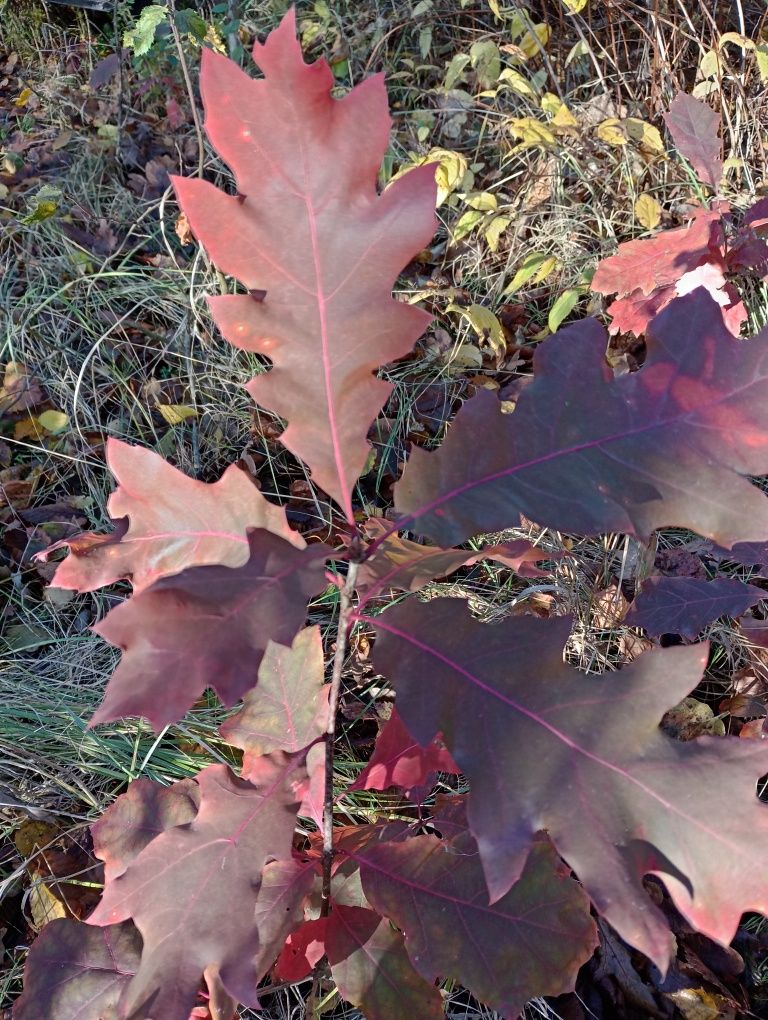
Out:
{"x": 530, "y": 942}
{"x": 686, "y": 605}
{"x": 303, "y": 950}
{"x": 584, "y": 451}
{"x": 206, "y": 627}
{"x": 399, "y": 563}
{"x": 582, "y": 757}
{"x": 76, "y": 971}
{"x": 144, "y": 811}
{"x": 398, "y": 760}
{"x": 287, "y": 709}
{"x": 372, "y": 969}
{"x": 228, "y": 878}
{"x": 651, "y": 263}
{"x": 368, "y": 963}
{"x": 693, "y": 126}
{"x": 174, "y": 522}
{"x": 316, "y": 246}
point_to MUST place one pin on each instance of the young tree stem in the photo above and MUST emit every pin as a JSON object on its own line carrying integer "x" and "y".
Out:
{"x": 342, "y": 635}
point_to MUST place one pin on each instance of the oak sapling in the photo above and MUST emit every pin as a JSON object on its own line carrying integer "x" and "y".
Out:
{"x": 211, "y": 882}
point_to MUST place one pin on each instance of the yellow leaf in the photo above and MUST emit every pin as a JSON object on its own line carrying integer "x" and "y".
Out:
{"x": 23, "y": 97}
{"x": 761, "y": 55}
{"x": 495, "y": 229}
{"x": 485, "y": 201}
{"x": 484, "y": 323}
{"x": 533, "y": 265}
{"x": 175, "y": 414}
{"x": 562, "y": 308}
{"x": 535, "y": 40}
{"x": 532, "y": 132}
{"x": 466, "y": 224}
{"x": 647, "y": 211}
{"x": 44, "y": 905}
{"x": 54, "y": 422}
{"x": 517, "y": 82}
{"x": 611, "y": 132}
{"x": 494, "y": 5}
{"x": 558, "y": 111}
{"x": 564, "y": 120}
{"x": 705, "y": 88}
{"x": 575, "y": 6}
{"x": 577, "y": 52}
{"x": 449, "y": 173}
{"x": 710, "y": 64}
{"x": 737, "y": 39}
{"x": 465, "y": 356}
{"x": 645, "y": 136}
{"x": 550, "y": 103}
{"x": 547, "y": 267}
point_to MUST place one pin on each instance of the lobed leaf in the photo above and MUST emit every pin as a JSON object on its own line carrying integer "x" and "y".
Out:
{"x": 530, "y": 942}
{"x": 313, "y": 242}
{"x": 286, "y": 709}
{"x": 206, "y": 627}
{"x": 686, "y": 605}
{"x": 137, "y": 816}
{"x": 173, "y": 522}
{"x": 398, "y": 760}
{"x": 651, "y": 263}
{"x": 671, "y": 444}
{"x": 400, "y": 563}
{"x": 368, "y": 963}
{"x": 582, "y": 757}
{"x": 216, "y": 896}
{"x": 78, "y": 972}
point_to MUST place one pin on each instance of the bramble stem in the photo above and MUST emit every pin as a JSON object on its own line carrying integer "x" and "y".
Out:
{"x": 342, "y": 635}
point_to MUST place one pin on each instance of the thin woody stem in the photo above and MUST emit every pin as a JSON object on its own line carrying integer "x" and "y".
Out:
{"x": 346, "y": 621}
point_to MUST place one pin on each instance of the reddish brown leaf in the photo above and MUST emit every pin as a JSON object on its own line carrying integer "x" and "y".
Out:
{"x": 315, "y": 241}
{"x": 205, "y": 896}
{"x": 303, "y": 950}
{"x": 398, "y": 760}
{"x": 587, "y": 452}
{"x": 530, "y": 942}
{"x": 206, "y": 627}
{"x": 651, "y": 263}
{"x": 368, "y": 963}
{"x": 583, "y": 757}
{"x": 78, "y": 972}
{"x": 694, "y": 126}
{"x": 372, "y": 969}
{"x": 686, "y": 605}
{"x": 633, "y": 312}
{"x": 407, "y": 566}
{"x": 174, "y": 522}
{"x": 287, "y": 709}
{"x": 139, "y": 815}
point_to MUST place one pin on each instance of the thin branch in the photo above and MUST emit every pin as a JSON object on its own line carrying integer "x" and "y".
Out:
{"x": 190, "y": 88}
{"x": 342, "y": 634}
